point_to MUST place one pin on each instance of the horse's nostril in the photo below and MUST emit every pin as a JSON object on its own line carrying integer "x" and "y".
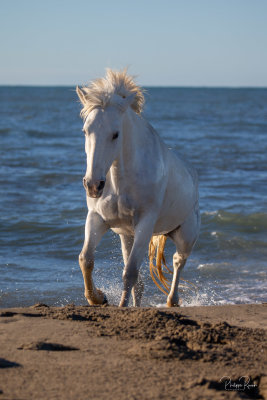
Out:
{"x": 93, "y": 189}
{"x": 101, "y": 185}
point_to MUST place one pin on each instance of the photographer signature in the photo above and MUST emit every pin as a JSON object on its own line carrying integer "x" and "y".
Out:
{"x": 242, "y": 383}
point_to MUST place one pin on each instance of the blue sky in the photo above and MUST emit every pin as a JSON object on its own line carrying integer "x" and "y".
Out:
{"x": 168, "y": 42}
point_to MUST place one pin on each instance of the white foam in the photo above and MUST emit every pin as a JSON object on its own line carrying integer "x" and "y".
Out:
{"x": 212, "y": 265}
{"x": 210, "y": 212}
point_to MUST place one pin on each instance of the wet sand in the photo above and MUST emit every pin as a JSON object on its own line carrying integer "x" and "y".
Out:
{"x": 109, "y": 353}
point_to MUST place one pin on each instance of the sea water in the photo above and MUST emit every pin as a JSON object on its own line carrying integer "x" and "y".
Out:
{"x": 222, "y": 132}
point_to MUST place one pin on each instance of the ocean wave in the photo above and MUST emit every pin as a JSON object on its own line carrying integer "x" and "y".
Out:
{"x": 249, "y": 223}
{"x": 39, "y": 133}
{"x": 32, "y": 236}
{"x": 4, "y": 130}
{"x": 225, "y": 235}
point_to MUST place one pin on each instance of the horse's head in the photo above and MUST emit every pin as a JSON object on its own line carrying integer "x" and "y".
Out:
{"x": 103, "y": 138}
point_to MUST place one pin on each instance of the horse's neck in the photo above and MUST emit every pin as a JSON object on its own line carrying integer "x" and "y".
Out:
{"x": 134, "y": 137}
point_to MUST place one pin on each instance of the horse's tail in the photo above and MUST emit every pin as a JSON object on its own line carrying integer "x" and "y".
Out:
{"x": 160, "y": 272}
{"x": 156, "y": 250}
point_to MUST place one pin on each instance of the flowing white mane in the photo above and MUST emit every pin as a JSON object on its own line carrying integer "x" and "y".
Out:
{"x": 100, "y": 91}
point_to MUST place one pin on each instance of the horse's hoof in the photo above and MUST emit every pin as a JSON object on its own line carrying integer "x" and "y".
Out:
{"x": 98, "y": 299}
{"x": 172, "y": 304}
{"x": 105, "y": 300}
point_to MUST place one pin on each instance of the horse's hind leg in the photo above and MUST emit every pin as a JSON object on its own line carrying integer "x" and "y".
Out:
{"x": 138, "y": 289}
{"x": 184, "y": 239}
{"x": 178, "y": 264}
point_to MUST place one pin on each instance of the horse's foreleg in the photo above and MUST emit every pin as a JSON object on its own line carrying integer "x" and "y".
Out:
{"x": 138, "y": 289}
{"x": 184, "y": 239}
{"x": 143, "y": 233}
{"x": 94, "y": 230}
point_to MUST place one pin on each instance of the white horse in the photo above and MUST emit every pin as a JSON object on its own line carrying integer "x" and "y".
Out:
{"x": 134, "y": 184}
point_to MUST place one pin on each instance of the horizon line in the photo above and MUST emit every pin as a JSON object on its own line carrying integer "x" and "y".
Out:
{"x": 33, "y": 85}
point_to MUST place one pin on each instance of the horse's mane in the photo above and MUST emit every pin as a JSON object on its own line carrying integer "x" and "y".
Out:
{"x": 99, "y": 92}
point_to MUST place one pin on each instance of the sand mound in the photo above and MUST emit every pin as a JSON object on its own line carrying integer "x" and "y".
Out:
{"x": 146, "y": 353}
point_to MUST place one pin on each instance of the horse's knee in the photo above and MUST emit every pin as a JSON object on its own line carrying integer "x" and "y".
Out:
{"x": 130, "y": 276}
{"x": 85, "y": 261}
{"x": 82, "y": 258}
{"x": 179, "y": 260}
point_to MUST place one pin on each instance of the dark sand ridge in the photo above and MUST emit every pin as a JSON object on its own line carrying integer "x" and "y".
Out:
{"x": 109, "y": 353}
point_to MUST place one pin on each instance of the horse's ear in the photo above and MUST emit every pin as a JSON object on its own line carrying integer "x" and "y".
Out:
{"x": 126, "y": 102}
{"x": 81, "y": 95}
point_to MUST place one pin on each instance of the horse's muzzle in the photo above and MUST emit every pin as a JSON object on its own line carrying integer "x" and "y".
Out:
{"x": 95, "y": 189}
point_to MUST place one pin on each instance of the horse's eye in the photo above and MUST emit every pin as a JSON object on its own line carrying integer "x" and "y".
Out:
{"x": 115, "y": 135}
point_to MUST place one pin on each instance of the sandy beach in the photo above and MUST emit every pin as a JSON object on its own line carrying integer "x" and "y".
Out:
{"x": 104, "y": 352}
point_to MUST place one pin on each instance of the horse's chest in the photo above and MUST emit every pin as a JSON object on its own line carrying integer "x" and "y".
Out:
{"x": 116, "y": 211}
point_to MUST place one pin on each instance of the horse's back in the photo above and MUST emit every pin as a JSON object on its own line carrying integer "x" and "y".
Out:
{"x": 178, "y": 162}
{"x": 190, "y": 168}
